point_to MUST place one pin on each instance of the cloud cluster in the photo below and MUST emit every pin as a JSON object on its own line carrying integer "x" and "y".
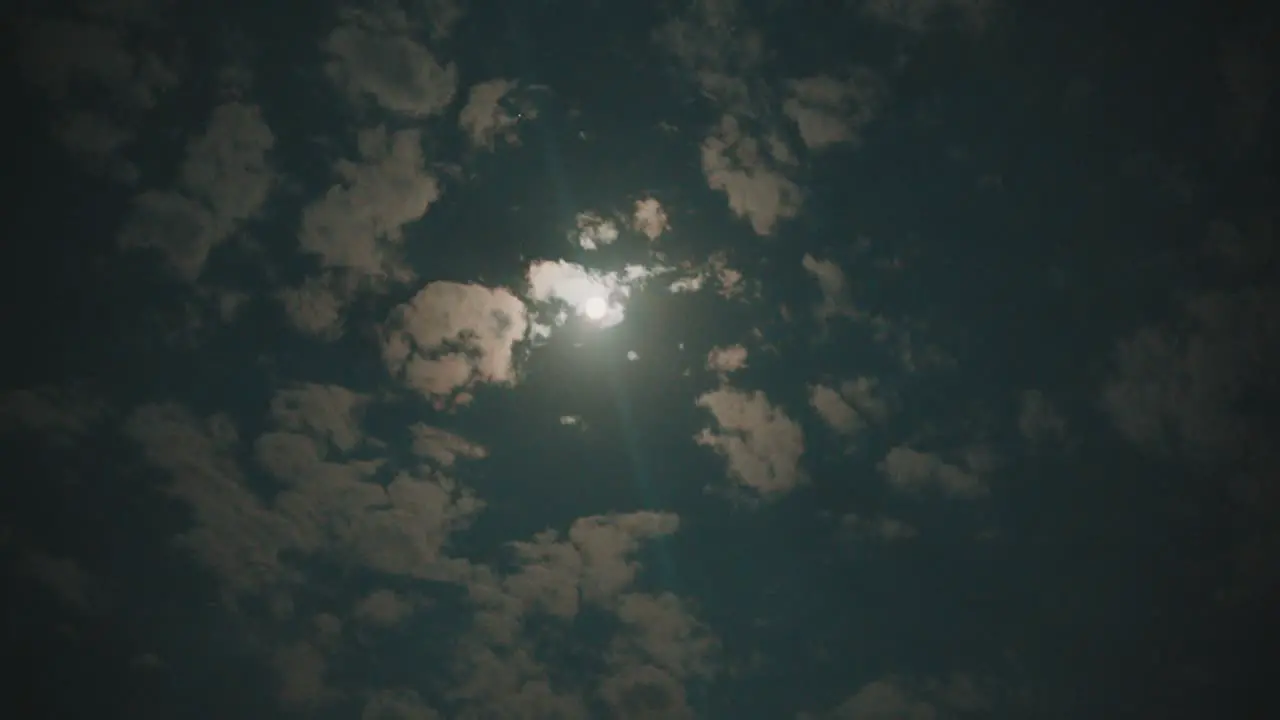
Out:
{"x": 224, "y": 180}
{"x": 762, "y": 444}
{"x": 451, "y": 335}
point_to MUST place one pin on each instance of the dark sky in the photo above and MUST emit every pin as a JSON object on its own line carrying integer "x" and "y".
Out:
{"x": 861, "y": 360}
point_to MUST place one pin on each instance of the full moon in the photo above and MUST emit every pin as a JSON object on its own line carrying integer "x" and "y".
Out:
{"x": 595, "y": 308}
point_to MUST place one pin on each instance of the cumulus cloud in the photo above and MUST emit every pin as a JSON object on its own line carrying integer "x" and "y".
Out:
{"x": 575, "y": 285}
{"x": 593, "y": 565}
{"x": 913, "y": 471}
{"x": 1177, "y": 392}
{"x": 716, "y": 275}
{"x": 836, "y": 299}
{"x": 887, "y": 698}
{"x": 828, "y": 111}
{"x": 452, "y": 335}
{"x": 224, "y": 180}
{"x": 359, "y": 223}
{"x": 374, "y": 55}
{"x": 762, "y": 444}
{"x": 329, "y": 412}
{"x": 397, "y": 704}
{"x": 61, "y": 413}
{"x": 650, "y": 219}
{"x": 442, "y": 446}
{"x": 485, "y": 119}
{"x": 301, "y": 668}
{"x": 70, "y": 583}
{"x": 383, "y": 608}
{"x": 881, "y": 528}
{"x": 318, "y": 306}
{"x": 325, "y": 502}
{"x": 594, "y": 231}
{"x": 656, "y": 647}
{"x": 919, "y": 15}
{"x": 1039, "y": 421}
{"x": 744, "y": 168}
{"x": 98, "y": 50}
{"x": 727, "y": 359}
{"x": 848, "y": 410}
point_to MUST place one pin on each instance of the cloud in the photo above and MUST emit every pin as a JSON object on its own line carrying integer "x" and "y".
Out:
{"x": 452, "y": 335}
{"x": 884, "y": 699}
{"x": 329, "y": 412}
{"x": 727, "y": 359}
{"x": 60, "y": 413}
{"x": 763, "y": 445}
{"x": 382, "y": 608}
{"x": 848, "y": 410}
{"x": 399, "y": 704}
{"x": 1172, "y": 392}
{"x": 574, "y": 285}
{"x": 743, "y": 168}
{"x": 443, "y": 446}
{"x": 318, "y": 306}
{"x": 836, "y": 301}
{"x": 70, "y": 583}
{"x": 485, "y": 119}
{"x": 324, "y": 504}
{"x": 828, "y": 111}
{"x": 98, "y": 51}
{"x": 594, "y": 231}
{"x": 374, "y": 55}
{"x": 918, "y": 15}
{"x": 913, "y": 471}
{"x": 224, "y": 180}
{"x": 727, "y": 282}
{"x": 650, "y": 219}
{"x": 1039, "y": 421}
{"x": 359, "y": 223}
{"x": 657, "y": 644}
{"x": 593, "y": 565}
{"x": 301, "y": 669}
{"x": 645, "y": 692}
{"x": 882, "y": 528}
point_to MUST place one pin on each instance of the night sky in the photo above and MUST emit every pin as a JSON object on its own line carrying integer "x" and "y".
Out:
{"x": 732, "y": 359}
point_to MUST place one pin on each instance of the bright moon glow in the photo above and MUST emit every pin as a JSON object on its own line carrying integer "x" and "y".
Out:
{"x": 596, "y": 308}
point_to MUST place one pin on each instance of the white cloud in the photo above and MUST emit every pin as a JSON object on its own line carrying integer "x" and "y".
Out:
{"x": 727, "y": 359}
{"x": 918, "y": 15}
{"x": 383, "y": 608}
{"x": 224, "y": 181}
{"x": 848, "y": 409}
{"x": 881, "y": 528}
{"x": 451, "y": 335}
{"x": 359, "y": 223}
{"x": 63, "y": 58}
{"x": 398, "y": 704}
{"x": 649, "y": 218}
{"x": 836, "y": 300}
{"x": 828, "y": 110}
{"x": 574, "y": 285}
{"x": 763, "y": 445}
{"x": 485, "y": 119}
{"x": 913, "y": 471}
{"x": 443, "y": 446}
{"x": 330, "y": 412}
{"x": 885, "y": 699}
{"x": 744, "y": 169}
{"x": 374, "y": 55}
{"x": 1039, "y": 421}
{"x": 594, "y": 231}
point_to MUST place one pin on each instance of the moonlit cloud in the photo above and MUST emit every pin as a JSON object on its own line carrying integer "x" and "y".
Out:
{"x": 762, "y": 444}
{"x": 576, "y": 286}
